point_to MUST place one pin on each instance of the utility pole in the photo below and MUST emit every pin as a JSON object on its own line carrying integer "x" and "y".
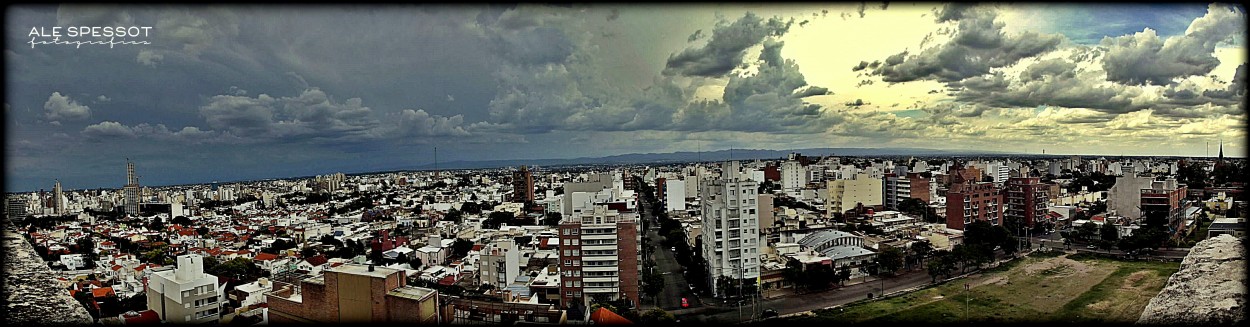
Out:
{"x": 966, "y": 302}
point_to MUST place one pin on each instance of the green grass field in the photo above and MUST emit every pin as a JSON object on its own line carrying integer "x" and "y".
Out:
{"x": 1033, "y": 289}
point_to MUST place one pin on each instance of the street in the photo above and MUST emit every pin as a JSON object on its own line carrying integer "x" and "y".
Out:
{"x": 856, "y": 289}
{"x": 675, "y": 286}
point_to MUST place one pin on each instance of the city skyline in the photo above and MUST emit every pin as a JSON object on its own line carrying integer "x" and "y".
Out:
{"x": 233, "y": 93}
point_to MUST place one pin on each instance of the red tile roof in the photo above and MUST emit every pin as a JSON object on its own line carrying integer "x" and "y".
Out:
{"x": 265, "y": 257}
{"x": 317, "y": 260}
{"x": 605, "y": 316}
{"x": 103, "y": 292}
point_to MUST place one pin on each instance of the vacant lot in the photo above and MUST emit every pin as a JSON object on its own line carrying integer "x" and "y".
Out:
{"x": 1035, "y": 289}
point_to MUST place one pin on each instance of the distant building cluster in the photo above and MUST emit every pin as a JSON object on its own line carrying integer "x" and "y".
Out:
{"x": 547, "y": 244}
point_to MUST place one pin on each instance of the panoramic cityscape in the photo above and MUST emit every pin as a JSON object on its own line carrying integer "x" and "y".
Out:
{"x": 625, "y": 164}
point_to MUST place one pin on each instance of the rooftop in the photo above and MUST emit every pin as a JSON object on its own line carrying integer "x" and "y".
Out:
{"x": 411, "y": 292}
{"x": 359, "y": 269}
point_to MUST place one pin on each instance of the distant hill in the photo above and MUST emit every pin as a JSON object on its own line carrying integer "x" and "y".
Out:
{"x": 720, "y": 155}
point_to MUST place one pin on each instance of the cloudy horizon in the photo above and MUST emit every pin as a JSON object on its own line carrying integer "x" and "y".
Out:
{"x": 251, "y": 92}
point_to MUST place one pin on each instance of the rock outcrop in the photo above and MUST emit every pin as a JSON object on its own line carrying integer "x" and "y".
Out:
{"x": 32, "y": 295}
{"x": 1209, "y": 288}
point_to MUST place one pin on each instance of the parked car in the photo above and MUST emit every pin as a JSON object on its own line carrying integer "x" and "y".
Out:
{"x": 768, "y": 313}
{"x": 1091, "y": 247}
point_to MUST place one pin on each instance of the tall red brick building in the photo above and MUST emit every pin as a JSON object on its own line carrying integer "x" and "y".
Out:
{"x": 599, "y": 254}
{"x": 522, "y": 185}
{"x": 1026, "y": 200}
{"x": 968, "y": 202}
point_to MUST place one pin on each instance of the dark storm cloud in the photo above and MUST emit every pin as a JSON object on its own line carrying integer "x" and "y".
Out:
{"x": 979, "y": 45}
{"x": 726, "y": 47}
{"x": 1145, "y": 58}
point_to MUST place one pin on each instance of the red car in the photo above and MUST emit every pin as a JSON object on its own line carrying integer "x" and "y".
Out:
{"x": 684, "y": 303}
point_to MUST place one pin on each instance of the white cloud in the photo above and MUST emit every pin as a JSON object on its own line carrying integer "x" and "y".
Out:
{"x": 61, "y": 107}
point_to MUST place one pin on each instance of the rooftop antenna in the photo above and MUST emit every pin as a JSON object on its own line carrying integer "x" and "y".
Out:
{"x": 435, "y": 160}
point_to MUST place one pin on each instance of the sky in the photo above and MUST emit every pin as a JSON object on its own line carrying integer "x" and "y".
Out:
{"x": 249, "y": 92}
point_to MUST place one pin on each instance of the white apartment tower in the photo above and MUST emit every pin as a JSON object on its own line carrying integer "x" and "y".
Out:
{"x": 185, "y": 294}
{"x": 730, "y": 226}
{"x": 793, "y": 177}
{"x": 58, "y": 198}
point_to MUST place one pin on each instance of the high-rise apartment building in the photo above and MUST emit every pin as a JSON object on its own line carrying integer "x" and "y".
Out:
{"x": 58, "y": 199}
{"x": 185, "y": 294}
{"x": 972, "y": 201}
{"x": 600, "y": 253}
{"x": 522, "y": 185}
{"x": 859, "y": 189}
{"x": 731, "y": 236}
{"x": 793, "y": 177}
{"x": 15, "y": 207}
{"x": 131, "y": 190}
{"x": 1026, "y": 200}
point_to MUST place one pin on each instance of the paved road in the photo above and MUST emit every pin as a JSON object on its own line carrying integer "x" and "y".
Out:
{"x": 856, "y": 289}
{"x": 675, "y": 286}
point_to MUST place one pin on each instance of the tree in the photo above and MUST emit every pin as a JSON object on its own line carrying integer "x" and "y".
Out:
{"x": 940, "y": 266}
{"x": 1087, "y": 230}
{"x": 453, "y": 215}
{"x": 891, "y": 259}
{"x": 657, "y": 316}
{"x": 922, "y": 249}
{"x": 202, "y": 231}
{"x": 843, "y": 275}
{"x": 1109, "y": 233}
{"x": 552, "y": 219}
{"x": 182, "y": 220}
{"x": 308, "y": 252}
{"x": 416, "y": 262}
{"x": 461, "y": 248}
{"x": 653, "y": 283}
{"x": 794, "y": 273}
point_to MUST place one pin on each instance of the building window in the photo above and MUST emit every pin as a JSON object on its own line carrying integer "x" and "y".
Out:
{"x": 576, "y": 241}
{"x": 575, "y": 231}
{"x": 577, "y": 283}
{"x": 566, "y": 231}
{"x": 577, "y": 253}
{"x": 568, "y": 263}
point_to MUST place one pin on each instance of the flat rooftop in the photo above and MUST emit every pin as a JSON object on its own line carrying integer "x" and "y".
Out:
{"x": 359, "y": 269}
{"x": 411, "y": 292}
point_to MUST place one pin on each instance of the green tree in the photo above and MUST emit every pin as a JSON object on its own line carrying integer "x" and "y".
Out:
{"x": 1109, "y": 233}
{"x": 891, "y": 259}
{"x": 657, "y": 316}
{"x": 1087, "y": 230}
{"x": 843, "y": 275}
{"x": 922, "y": 249}
{"x": 941, "y": 265}
{"x": 552, "y": 219}
{"x": 652, "y": 283}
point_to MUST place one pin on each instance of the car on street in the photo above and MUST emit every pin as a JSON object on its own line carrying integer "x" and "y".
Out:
{"x": 768, "y": 313}
{"x": 685, "y": 303}
{"x": 1091, "y": 247}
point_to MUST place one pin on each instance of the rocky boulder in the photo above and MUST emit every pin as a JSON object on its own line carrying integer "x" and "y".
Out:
{"x": 1209, "y": 288}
